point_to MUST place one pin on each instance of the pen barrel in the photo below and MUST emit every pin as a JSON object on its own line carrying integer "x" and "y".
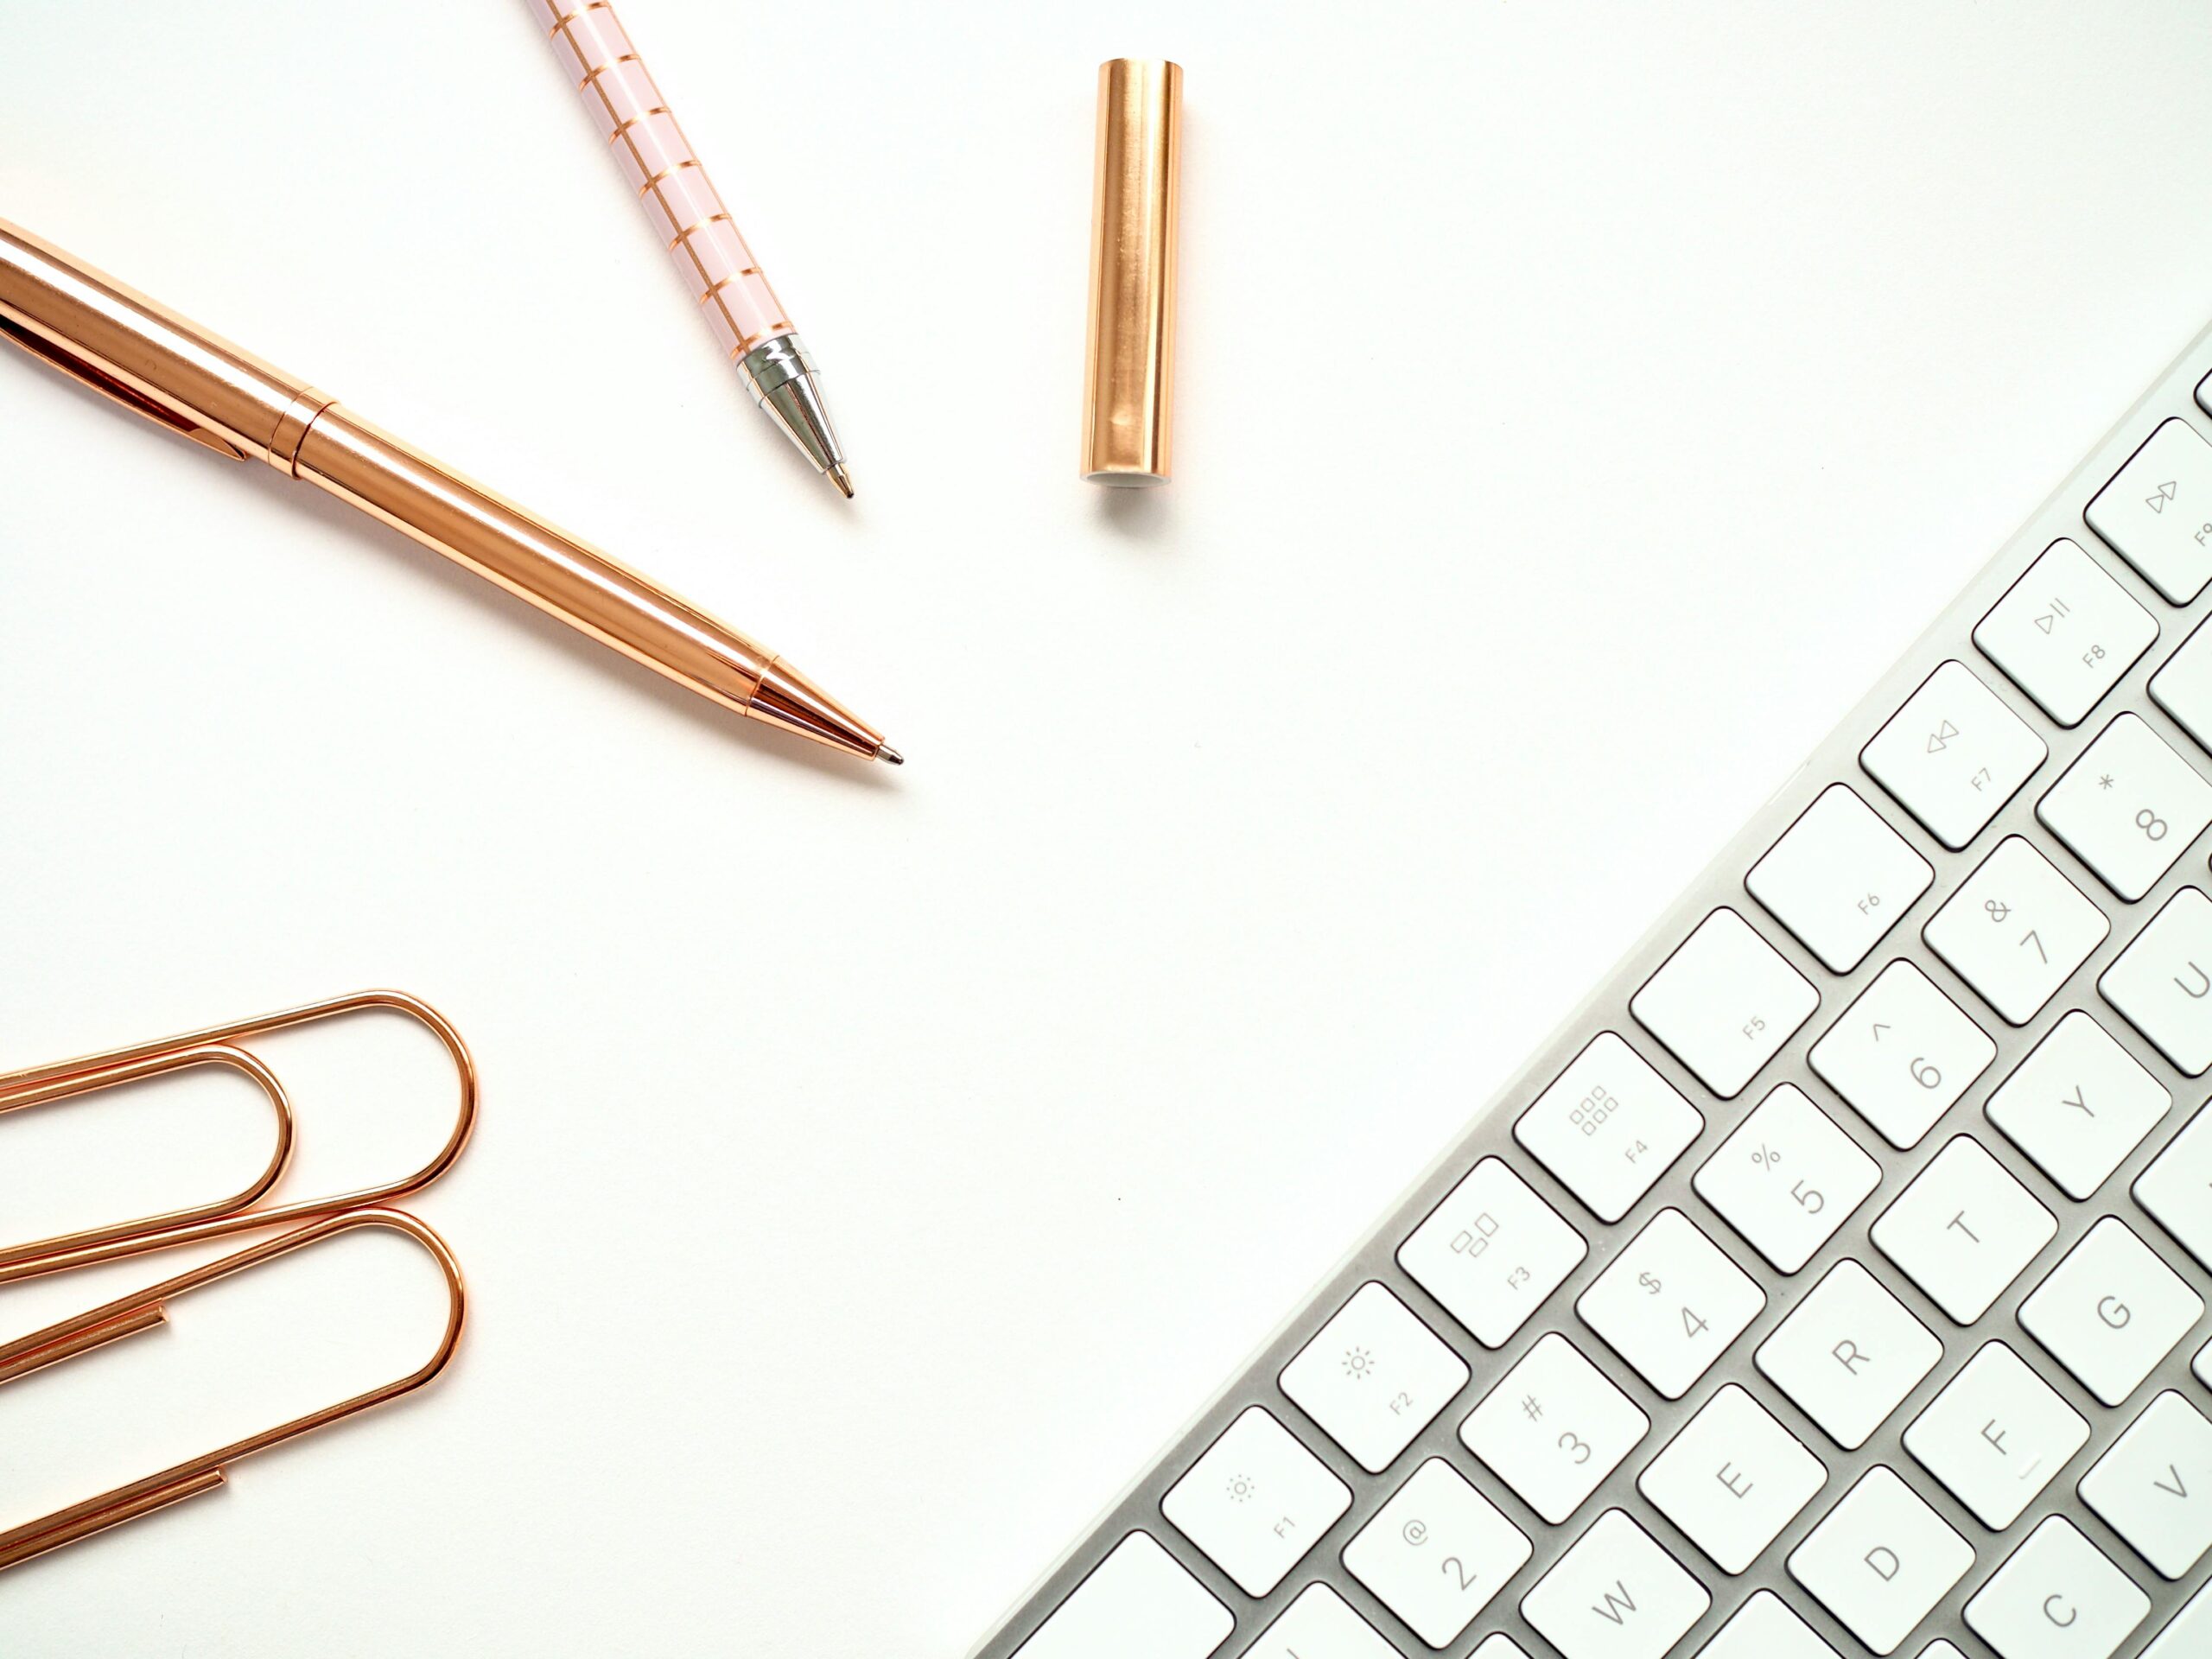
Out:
{"x": 144, "y": 355}
{"x": 665, "y": 175}
{"x": 506, "y": 543}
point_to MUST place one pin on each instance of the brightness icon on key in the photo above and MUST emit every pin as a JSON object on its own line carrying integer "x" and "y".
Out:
{"x": 1359, "y": 1363}
{"x": 1241, "y": 1488}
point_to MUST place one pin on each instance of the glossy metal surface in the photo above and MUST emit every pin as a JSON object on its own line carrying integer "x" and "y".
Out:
{"x": 143, "y": 1310}
{"x": 220, "y": 1045}
{"x": 1129, "y": 368}
{"x": 196, "y": 384}
{"x": 780, "y": 372}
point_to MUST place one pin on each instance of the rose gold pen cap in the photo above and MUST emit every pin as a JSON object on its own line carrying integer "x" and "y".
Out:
{"x": 1129, "y": 391}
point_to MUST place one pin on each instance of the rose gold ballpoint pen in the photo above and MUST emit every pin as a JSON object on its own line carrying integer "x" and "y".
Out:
{"x": 145, "y": 356}
{"x": 749, "y": 321}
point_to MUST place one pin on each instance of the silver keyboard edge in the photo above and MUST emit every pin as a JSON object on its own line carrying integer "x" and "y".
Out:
{"x": 1490, "y": 1132}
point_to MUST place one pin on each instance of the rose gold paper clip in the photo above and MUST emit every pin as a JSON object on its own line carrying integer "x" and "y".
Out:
{"x": 237, "y": 1213}
{"x": 144, "y": 1309}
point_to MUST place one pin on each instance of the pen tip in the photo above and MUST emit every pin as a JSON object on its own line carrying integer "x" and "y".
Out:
{"x": 841, "y": 478}
{"x": 885, "y": 751}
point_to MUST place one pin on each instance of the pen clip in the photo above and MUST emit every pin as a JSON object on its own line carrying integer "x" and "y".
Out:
{"x": 99, "y": 381}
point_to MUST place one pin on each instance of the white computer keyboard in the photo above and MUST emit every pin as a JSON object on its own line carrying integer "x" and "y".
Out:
{"x": 1835, "y": 1279}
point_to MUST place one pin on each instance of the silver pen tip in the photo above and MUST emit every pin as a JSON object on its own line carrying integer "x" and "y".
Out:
{"x": 841, "y": 478}
{"x": 885, "y": 751}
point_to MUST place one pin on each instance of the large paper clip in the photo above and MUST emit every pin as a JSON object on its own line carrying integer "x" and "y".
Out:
{"x": 237, "y": 1212}
{"x": 144, "y": 1309}
{"x": 240, "y": 1212}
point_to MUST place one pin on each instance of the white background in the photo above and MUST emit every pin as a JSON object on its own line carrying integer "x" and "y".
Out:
{"x": 1578, "y": 406}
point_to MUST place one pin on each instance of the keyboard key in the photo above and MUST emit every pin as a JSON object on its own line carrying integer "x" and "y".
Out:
{"x": 1764, "y": 1627}
{"x": 2190, "y": 1636}
{"x": 1848, "y": 1355}
{"x": 2156, "y": 511}
{"x": 1838, "y": 878}
{"x": 2057, "y": 1597}
{"x": 1996, "y": 1436}
{"x": 2078, "y": 1105}
{"x": 2129, "y": 807}
{"x": 1671, "y": 1303}
{"x": 1902, "y": 1054}
{"x": 2184, "y": 687}
{"x": 1374, "y": 1377}
{"x": 2154, "y": 1487}
{"x": 2163, "y": 982}
{"x": 1964, "y": 1230}
{"x": 1953, "y": 754}
{"x": 2202, "y": 1366}
{"x": 1881, "y": 1560}
{"x": 2066, "y": 633}
{"x": 1554, "y": 1429}
{"x": 1609, "y": 1127}
{"x": 1732, "y": 1479}
{"x": 2111, "y": 1310}
{"x": 1492, "y": 1252}
{"x": 1138, "y": 1599}
{"x": 1437, "y": 1553}
{"x": 1615, "y": 1595}
{"x": 1500, "y": 1647}
{"x": 2015, "y": 930}
{"x": 1724, "y": 1002}
{"x": 1941, "y": 1650}
{"x": 2177, "y": 1188}
{"x": 1256, "y": 1502}
{"x": 1320, "y": 1624}
{"x": 1787, "y": 1177}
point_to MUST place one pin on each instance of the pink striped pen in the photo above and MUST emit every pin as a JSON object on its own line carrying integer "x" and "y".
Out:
{"x": 748, "y": 321}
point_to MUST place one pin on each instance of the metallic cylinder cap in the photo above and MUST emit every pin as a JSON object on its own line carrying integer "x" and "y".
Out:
{"x": 1130, "y": 378}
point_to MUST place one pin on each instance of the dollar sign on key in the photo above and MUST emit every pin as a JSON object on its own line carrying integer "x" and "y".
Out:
{"x": 1649, "y": 1282}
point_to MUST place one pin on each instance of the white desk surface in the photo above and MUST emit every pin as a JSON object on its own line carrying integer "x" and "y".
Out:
{"x": 1578, "y": 406}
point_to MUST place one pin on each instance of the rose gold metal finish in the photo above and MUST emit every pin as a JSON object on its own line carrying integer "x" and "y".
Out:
{"x": 142, "y": 1311}
{"x": 1129, "y": 375}
{"x": 45, "y": 1089}
{"x": 68, "y": 1079}
{"x": 150, "y": 360}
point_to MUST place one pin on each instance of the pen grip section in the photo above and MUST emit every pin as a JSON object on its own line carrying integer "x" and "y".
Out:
{"x": 664, "y": 174}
